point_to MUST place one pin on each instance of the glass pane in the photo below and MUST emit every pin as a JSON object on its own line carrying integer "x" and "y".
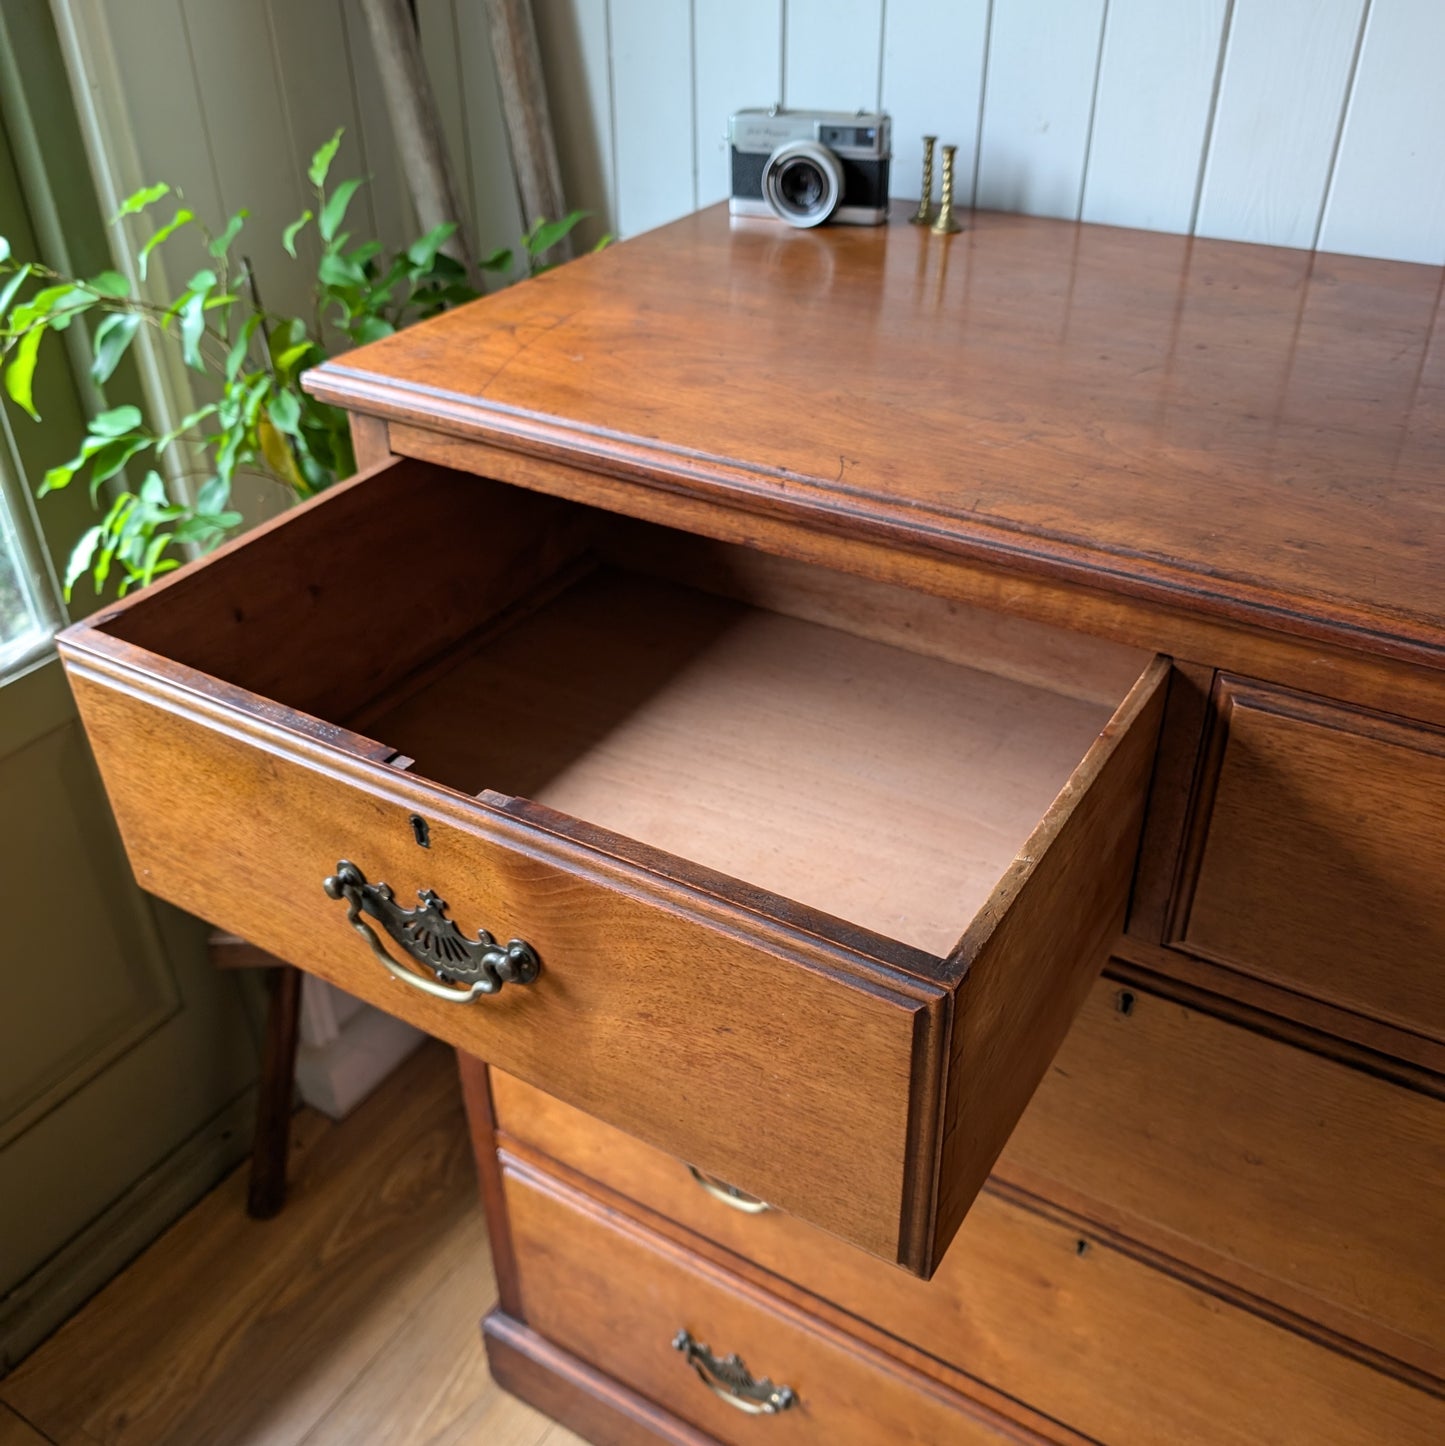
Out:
{"x": 20, "y": 623}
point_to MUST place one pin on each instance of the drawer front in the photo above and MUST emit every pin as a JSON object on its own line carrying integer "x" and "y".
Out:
{"x": 619, "y": 1297}
{"x": 1304, "y": 1180}
{"x": 1078, "y": 1328}
{"x": 731, "y": 1059}
{"x": 1315, "y": 856}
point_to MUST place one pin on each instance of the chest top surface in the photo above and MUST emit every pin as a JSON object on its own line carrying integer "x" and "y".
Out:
{"x": 1252, "y": 432}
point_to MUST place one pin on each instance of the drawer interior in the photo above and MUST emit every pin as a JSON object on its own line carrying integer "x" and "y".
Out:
{"x": 872, "y": 752}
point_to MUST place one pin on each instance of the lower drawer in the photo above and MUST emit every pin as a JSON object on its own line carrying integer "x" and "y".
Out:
{"x": 665, "y": 1323}
{"x": 1078, "y": 1328}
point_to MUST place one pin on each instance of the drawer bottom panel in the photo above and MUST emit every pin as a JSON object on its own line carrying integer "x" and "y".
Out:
{"x": 613, "y": 1294}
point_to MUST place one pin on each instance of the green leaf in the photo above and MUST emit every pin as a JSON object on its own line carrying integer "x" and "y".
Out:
{"x": 288, "y": 236}
{"x": 184, "y": 426}
{"x": 41, "y": 305}
{"x": 20, "y": 374}
{"x": 111, "y": 458}
{"x": 546, "y": 234}
{"x": 321, "y": 161}
{"x": 137, "y": 201}
{"x": 334, "y": 211}
{"x": 423, "y": 251}
{"x": 193, "y": 318}
{"x": 80, "y": 556}
{"x": 371, "y": 328}
{"x": 114, "y": 334}
{"x": 57, "y": 478}
{"x": 110, "y": 283}
{"x": 236, "y": 358}
{"x": 116, "y": 422}
{"x": 499, "y": 260}
{"x": 181, "y": 218}
{"x": 337, "y": 271}
{"x": 287, "y": 359}
{"x": 213, "y": 495}
{"x": 222, "y": 243}
{"x": 7, "y": 292}
{"x": 285, "y": 412}
{"x": 153, "y": 491}
{"x": 153, "y": 555}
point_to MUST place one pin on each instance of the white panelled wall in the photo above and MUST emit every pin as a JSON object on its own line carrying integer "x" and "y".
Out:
{"x": 1291, "y": 122}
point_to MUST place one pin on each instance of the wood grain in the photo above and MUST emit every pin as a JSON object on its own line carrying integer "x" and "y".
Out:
{"x": 1316, "y": 858}
{"x": 1084, "y": 1327}
{"x": 571, "y": 1254}
{"x": 351, "y": 1316}
{"x": 1032, "y": 954}
{"x": 1207, "y": 408}
{"x": 876, "y": 785}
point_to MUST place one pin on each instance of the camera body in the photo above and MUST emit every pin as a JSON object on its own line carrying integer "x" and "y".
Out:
{"x": 810, "y": 166}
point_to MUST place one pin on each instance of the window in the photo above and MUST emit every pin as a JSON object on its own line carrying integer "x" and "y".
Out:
{"x": 24, "y": 627}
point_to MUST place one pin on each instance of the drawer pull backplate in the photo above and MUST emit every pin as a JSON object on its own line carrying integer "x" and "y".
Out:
{"x": 729, "y": 1379}
{"x": 479, "y": 966}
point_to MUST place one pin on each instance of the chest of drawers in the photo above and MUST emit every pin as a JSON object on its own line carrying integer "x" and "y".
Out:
{"x": 785, "y": 669}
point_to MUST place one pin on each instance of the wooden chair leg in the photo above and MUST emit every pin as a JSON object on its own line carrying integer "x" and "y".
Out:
{"x": 267, "y": 1193}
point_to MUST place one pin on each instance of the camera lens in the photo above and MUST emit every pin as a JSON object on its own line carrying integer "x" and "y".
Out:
{"x": 803, "y": 183}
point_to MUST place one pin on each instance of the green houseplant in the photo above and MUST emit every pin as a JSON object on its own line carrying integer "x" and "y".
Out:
{"x": 257, "y": 419}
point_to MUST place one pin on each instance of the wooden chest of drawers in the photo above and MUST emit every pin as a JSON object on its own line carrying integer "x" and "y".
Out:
{"x": 786, "y": 667}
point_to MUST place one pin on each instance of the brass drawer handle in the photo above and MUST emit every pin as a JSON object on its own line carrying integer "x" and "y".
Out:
{"x": 480, "y": 965}
{"x": 729, "y": 1379}
{"x": 729, "y": 1195}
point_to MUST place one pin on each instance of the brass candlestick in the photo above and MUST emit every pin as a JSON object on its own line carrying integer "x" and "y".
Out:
{"x": 946, "y": 221}
{"x": 924, "y": 214}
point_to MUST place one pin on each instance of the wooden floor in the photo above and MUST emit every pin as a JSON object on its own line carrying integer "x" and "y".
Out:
{"x": 351, "y": 1318}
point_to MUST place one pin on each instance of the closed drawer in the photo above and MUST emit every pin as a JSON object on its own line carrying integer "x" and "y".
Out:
{"x": 1315, "y": 856}
{"x": 663, "y": 1322}
{"x": 1298, "y": 1179}
{"x": 817, "y": 870}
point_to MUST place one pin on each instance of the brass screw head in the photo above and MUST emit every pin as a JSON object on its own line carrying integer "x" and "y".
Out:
{"x": 946, "y": 221}
{"x": 924, "y": 214}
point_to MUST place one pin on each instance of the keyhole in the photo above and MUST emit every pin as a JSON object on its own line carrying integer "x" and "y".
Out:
{"x": 420, "y": 831}
{"x": 1125, "y": 1001}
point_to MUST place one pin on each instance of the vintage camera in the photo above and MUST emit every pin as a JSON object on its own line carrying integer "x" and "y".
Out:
{"x": 810, "y": 166}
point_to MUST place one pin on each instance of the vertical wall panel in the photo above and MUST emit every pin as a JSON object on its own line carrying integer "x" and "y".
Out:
{"x": 240, "y": 90}
{"x": 437, "y": 23}
{"x": 572, "y": 35}
{"x": 497, "y": 212}
{"x": 652, "y": 112}
{"x": 933, "y": 59}
{"x": 832, "y": 54}
{"x": 738, "y": 64}
{"x": 1151, "y": 112}
{"x": 310, "y": 41}
{"x": 1038, "y": 98}
{"x": 1280, "y": 98}
{"x": 389, "y": 195}
{"x": 1388, "y": 196}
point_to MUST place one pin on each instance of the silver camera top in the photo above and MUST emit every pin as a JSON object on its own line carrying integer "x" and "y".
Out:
{"x": 861, "y": 135}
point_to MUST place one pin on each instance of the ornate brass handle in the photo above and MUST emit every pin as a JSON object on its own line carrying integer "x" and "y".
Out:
{"x": 729, "y": 1195}
{"x": 480, "y": 966}
{"x": 728, "y": 1379}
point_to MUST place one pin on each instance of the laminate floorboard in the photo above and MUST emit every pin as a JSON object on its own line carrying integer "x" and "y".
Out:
{"x": 350, "y": 1318}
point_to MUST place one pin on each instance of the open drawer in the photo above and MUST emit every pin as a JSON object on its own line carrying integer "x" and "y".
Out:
{"x": 808, "y": 874}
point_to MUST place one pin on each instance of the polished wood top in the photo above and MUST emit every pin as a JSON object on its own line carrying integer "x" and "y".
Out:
{"x": 1253, "y": 432}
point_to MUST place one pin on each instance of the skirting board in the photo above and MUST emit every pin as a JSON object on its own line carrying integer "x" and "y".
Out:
{"x": 54, "y": 1292}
